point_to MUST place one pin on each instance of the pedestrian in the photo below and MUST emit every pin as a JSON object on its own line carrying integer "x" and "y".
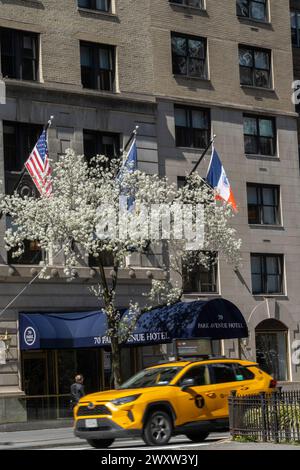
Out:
{"x": 77, "y": 390}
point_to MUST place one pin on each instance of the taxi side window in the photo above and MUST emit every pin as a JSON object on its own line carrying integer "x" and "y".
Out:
{"x": 223, "y": 373}
{"x": 243, "y": 373}
{"x": 200, "y": 374}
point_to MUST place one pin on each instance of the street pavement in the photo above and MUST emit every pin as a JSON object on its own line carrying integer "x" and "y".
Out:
{"x": 63, "y": 439}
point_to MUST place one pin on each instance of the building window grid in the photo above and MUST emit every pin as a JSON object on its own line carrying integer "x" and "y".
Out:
{"x": 192, "y": 126}
{"x": 189, "y": 55}
{"x": 201, "y": 279}
{"x": 263, "y": 204}
{"x": 97, "y": 66}
{"x": 267, "y": 274}
{"x": 259, "y": 135}
{"x": 19, "y": 54}
{"x": 253, "y": 9}
{"x": 99, "y": 5}
{"x": 255, "y": 66}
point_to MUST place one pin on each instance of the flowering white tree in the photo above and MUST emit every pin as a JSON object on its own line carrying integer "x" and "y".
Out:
{"x": 81, "y": 216}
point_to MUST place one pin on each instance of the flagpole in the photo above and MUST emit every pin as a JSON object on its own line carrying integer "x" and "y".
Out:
{"x": 203, "y": 155}
{"x": 49, "y": 123}
{"x": 132, "y": 136}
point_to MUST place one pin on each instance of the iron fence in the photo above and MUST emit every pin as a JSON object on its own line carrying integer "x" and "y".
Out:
{"x": 265, "y": 417}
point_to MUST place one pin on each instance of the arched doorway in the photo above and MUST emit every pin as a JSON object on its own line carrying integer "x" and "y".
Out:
{"x": 271, "y": 338}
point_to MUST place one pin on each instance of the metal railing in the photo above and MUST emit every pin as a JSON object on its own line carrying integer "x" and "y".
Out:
{"x": 273, "y": 417}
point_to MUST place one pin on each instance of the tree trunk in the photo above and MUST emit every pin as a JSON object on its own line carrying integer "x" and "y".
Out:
{"x": 116, "y": 362}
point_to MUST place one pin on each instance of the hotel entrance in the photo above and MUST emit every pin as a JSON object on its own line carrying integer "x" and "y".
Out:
{"x": 47, "y": 376}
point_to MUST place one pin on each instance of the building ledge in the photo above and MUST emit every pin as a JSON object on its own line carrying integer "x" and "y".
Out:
{"x": 100, "y": 13}
{"x": 188, "y": 9}
{"x": 279, "y": 228}
{"x": 267, "y": 158}
{"x": 14, "y": 272}
{"x": 73, "y": 89}
{"x": 254, "y": 22}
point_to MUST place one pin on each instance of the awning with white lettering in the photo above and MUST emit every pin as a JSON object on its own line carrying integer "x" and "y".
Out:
{"x": 215, "y": 319}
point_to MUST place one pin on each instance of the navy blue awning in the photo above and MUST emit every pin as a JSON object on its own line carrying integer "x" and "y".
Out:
{"x": 215, "y": 319}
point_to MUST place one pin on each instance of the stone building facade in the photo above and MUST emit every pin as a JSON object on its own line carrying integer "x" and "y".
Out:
{"x": 182, "y": 71}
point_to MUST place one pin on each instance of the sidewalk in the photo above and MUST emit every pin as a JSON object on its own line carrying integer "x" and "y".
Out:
{"x": 38, "y": 438}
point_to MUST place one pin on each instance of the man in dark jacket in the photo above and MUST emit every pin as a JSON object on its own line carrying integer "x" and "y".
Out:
{"x": 77, "y": 390}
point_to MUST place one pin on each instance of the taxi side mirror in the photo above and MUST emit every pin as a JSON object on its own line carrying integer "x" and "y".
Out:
{"x": 187, "y": 383}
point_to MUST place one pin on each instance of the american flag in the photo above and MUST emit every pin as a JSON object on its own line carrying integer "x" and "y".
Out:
{"x": 38, "y": 166}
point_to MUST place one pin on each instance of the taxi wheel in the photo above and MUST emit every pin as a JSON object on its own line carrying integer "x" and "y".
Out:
{"x": 197, "y": 436}
{"x": 158, "y": 429}
{"x": 100, "y": 443}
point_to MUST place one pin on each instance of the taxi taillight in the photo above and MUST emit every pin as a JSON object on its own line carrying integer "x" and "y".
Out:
{"x": 273, "y": 383}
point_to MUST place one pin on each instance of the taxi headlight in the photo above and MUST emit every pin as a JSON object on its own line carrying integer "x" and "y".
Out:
{"x": 123, "y": 400}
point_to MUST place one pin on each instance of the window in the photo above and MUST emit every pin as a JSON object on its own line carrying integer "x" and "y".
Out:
{"x": 19, "y": 54}
{"x": 263, "y": 204}
{"x": 101, "y": 5}
{"x": 97, "y": 66}
{"x": 295, "y": 28}
{"x": 192, "y": 127}
{"x": 267, "y": 274}
{"x": 32, "y": 254}
{"x": 189, "y": 56}
{"x": 253, "y": 9}
{"x": 100, "y": 143}
{"x": 200, "y": 374}
{"x": 223, "y": 373}
{"x": 197, "y": 278}
{"x": 106, "y": 257}
{"x": 259, "y": 135}
{"x": 242, "y": 373}
{"x": 18, "y": 140}
{"x": 190, "y": 3}
{"x": 255, "y": 67}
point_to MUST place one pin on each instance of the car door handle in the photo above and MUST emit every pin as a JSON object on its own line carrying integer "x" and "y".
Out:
{"x": 210, "y": 394}
{"x": 244, "y": 388}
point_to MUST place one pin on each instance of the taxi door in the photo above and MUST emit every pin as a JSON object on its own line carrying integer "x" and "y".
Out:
{"x": 224, "y": 381}
{"x": 196, "y": 401}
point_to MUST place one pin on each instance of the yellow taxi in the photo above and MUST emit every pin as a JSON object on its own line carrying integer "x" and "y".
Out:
{"x": 184, "y": 397}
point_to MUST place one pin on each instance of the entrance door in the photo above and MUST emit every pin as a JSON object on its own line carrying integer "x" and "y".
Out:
{"x": 48, "y": 375}
{"x": 39, "y": 384}
{"x": 271, "y": 348}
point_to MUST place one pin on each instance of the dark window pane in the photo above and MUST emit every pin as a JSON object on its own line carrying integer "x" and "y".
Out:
{"x": 97, "y": 66}
{"x": 19, "y": 54}
{"x": 200, "y": 279}
{"x": 242, "y": 8}
{"x": 223, "y": 373}
{"x": 262, "y": 78}
{"x": 180, "y": 65}
{"x": 246, "y": 76}
{"x": 269, "y": 280}
{"x": 242, "y": 373}
{"x": 191, "y": 127}
{"x": 258, "y": 11}
{"x": 196, "y": 48}
{"x": 188, "y": 56}
{"x": 196, "y": 68}
{"x": 251, "y": 144}
{"x": 246, "y": 57}
{"x": 179, "y": 46}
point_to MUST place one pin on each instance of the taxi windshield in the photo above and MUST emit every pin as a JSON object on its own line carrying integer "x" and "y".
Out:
{"x": 156, "y": 377}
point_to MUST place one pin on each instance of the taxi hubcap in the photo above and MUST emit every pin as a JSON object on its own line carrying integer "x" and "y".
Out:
{"x": 160, "y": 428}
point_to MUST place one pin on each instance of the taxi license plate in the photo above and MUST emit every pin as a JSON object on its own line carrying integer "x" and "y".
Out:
{"x": 91, "y": 423}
